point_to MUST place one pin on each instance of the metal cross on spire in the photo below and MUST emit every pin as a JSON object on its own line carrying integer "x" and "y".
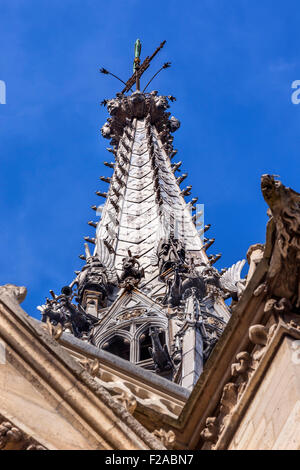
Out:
{"x": 138, "y": 68}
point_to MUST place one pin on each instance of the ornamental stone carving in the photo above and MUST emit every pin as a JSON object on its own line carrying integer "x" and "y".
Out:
{"x": 132, "y": 273}
{"x": 127, "y": 400}
{"x": 166, "y": 437}
{"x": 61, "y": 311}
{"x": 283, "y": 279}
{"x": 211, "y": 431}
{"x": 12, "y": 438}
{"x": 92, "y": 366}
{"x": 138, "y": 105}
{"x": 159, "y": 353}
{"x": 19, "y": 293}
{"x": 170, "y": 253}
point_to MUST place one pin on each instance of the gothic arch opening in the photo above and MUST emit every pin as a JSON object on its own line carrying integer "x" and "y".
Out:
{"x": 118, "y": 346}
{"x": 145, "y": 343}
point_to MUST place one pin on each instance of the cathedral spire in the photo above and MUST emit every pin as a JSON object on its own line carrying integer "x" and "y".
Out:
{"x": 148, "y": 288}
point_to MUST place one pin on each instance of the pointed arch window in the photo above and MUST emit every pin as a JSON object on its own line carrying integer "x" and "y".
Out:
{"x": 119, "y": 346}
{"x": 131, "y": 340}
{"x": 145, "y": 343}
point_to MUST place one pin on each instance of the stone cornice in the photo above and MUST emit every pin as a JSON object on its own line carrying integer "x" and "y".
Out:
{"x": 108, "y": 421}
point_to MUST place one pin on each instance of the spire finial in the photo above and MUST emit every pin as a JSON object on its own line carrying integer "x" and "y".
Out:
{"x": 137, "y": 61}
{"x": 137, "y": 54}
{"x": 138, "y": 68}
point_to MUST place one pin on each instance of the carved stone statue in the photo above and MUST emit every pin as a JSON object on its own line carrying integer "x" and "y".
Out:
{"x": 229, "y": 283}
{"x": 124, "y": 108}
{"x": 284, "y": 230}
{"x": 174, "y": 289}
{"x": 106, "y": 130}
{"x": 97, "y": 275}
{"x": 183, "y": 282}
{"x": 18, "y": 292}
{"x": 54, "y": 311}
{"x": 113, "y": 106}
{"x": 174, "y": 124}
{"x": 81, "y": 322}
{"x": 193, "y": 279}
{"x": 161, "y": 102}
{"x": 170, "y": 252}
{"x": 132, "y": 272}
{"x": 93, "y": 276}
{"x": 60, "y": 310}
{"x": 159, "y": 353}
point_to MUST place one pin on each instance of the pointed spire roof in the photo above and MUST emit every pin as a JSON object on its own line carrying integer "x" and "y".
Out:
{"x": 147, "y": 256}
{"x": 144, "y": 201}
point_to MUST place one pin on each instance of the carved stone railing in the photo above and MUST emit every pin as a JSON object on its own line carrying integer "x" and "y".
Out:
{"x": 121, "y": 377}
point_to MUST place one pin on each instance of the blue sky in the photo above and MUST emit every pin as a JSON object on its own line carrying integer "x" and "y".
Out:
{"x": 233, "y": 63}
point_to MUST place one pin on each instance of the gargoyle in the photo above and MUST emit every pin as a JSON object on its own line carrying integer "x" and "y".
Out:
{"x": 170, "y": 252}
{"x": 81, "y": 322}
{"x": 174, "y": 289}
{"x": 193, "y": 280}
{"x": 113, "y": 106}
{"x": 106, "y": 130}
{"x": 97, "y": 275}
{"x": 54, "y": 311}
{"x": 159, "y": 353}
{"x": 283, "y": 240}
{"x": 60, "y": 310}
{"x": 19, "y": 293}
{"x": 180, "y": 286}
{"x": 229, "y": 283}
{"x": 161, "y": 102}
{"x": 173, "y": 124}
{"x": 132, "y": 272}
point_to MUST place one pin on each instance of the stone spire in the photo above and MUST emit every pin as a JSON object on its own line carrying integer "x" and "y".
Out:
{"x": 148, "y": 292}
{"x": 144, "y": 203}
